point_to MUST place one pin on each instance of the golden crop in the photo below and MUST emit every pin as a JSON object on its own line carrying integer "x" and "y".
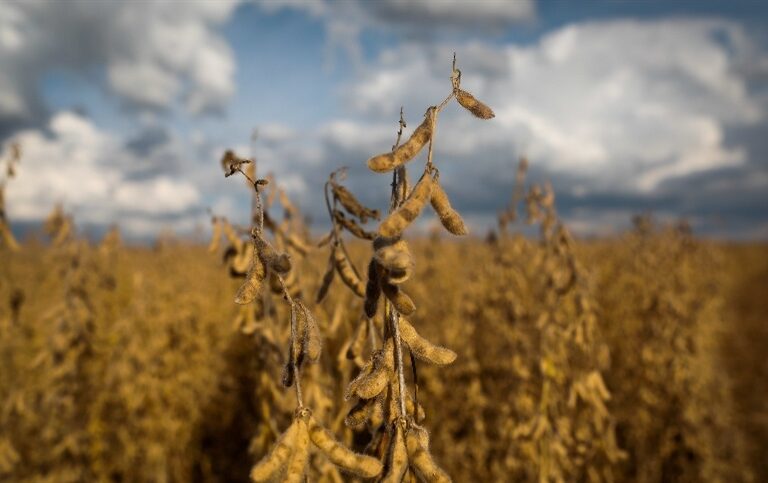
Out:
{"x": 548, "y": 359}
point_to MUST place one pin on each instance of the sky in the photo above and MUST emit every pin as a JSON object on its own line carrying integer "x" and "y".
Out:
{"x": 123, "y": 109}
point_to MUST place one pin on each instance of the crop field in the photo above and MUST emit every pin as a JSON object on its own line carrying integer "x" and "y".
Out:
{"x": 637, "y": 358}
{"x": 373, "y": 352}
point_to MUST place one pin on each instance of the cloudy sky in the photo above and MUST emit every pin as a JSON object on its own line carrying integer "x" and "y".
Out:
{"x": 123, "y": 109}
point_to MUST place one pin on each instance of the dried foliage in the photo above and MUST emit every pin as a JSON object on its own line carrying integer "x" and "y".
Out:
{"x": 546, "y": 359}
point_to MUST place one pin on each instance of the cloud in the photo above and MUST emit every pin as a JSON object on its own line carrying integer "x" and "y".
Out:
{"x": 452, "y": 13}
{"x": 650, "y": 100}
{"x": 346, "y": 21}
{"x": 618, "y": 111}
{"x": 153, "y": 54}
{"x": 623, "y": 116}
{"x": 398, "y": 14}
{"x": 86, "y": 169}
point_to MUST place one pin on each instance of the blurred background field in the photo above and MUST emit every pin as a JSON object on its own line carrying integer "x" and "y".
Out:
{"x": 620, "y": 335}
{"x": 125, "y": 363}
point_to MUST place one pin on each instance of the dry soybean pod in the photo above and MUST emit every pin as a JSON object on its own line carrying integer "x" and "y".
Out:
{"x": 376, "y": 412}
{"x": 279, "y": 262}
{"x": 399, "y": 299}
{"x": 398, "y": 220}
{"x": 372, "y": 290}
{"x": 358, "y": 414}
{"x": 352, "y": 227}
{"x": 477, "y": 108}
{"x": 296, "y": 344}
{"x": 406, "y": 151}
{"x": 361, "y": 465}
{"x": 253, "y": 281}
{"x": 450, "y": 219}
{"x": 312, "y": 341}
{"x": 365, "y": 371}
{"x": 396, "y": 260}
{"x": 396, "y": 256}
{"x": 352, "y": 205}
{"x": 330, "y": 273}
{"x": 347, "y": 271}
{"x": 421, "y": 461}
{"x": 265, "y": 469}
{"x": 372, "y": 383}
{"x": 294, "y": 472}
{"x": 422, "y": 348}
{"x": 397, "y": 458}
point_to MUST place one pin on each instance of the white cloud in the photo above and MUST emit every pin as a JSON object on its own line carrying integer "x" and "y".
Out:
{"x": 488, "y": 13}
{"x": 85, "y": 168}
{"x": 413, "y": 15}
{"x": 346, "y": 20}
{"x": 623, "y": 104}
{"x": 614, "y": 112}
{"x": 154, "y": 53}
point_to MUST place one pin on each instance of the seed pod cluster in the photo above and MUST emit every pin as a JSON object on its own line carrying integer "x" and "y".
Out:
{"x": 340, "y": 455}
{"x": 395, "y": 261}
{"x": 265, "y": 259}
{"x": 269, "y": 466}
{"x": 419, "y": 458}
{"x": 392, "y": 264}
{"x": 375, "y": 375}
{"x": 406, "y": 151}
{"x": 291, "y": 453}
{"x": 408, "y": 452}
{"x": 277, "y": 262}
{"x": 397, "y": 456}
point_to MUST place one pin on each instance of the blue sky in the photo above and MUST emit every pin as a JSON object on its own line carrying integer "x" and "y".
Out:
{"x": 123, "y": 108}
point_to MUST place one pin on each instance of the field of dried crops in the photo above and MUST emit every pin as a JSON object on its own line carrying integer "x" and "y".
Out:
{"x": 133, "y": 364}
{"x": 274, "y": 355}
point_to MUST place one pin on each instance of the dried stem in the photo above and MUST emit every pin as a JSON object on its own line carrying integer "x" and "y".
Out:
{"x": 394, "y": 320}
{"x": 389, "y": 310}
